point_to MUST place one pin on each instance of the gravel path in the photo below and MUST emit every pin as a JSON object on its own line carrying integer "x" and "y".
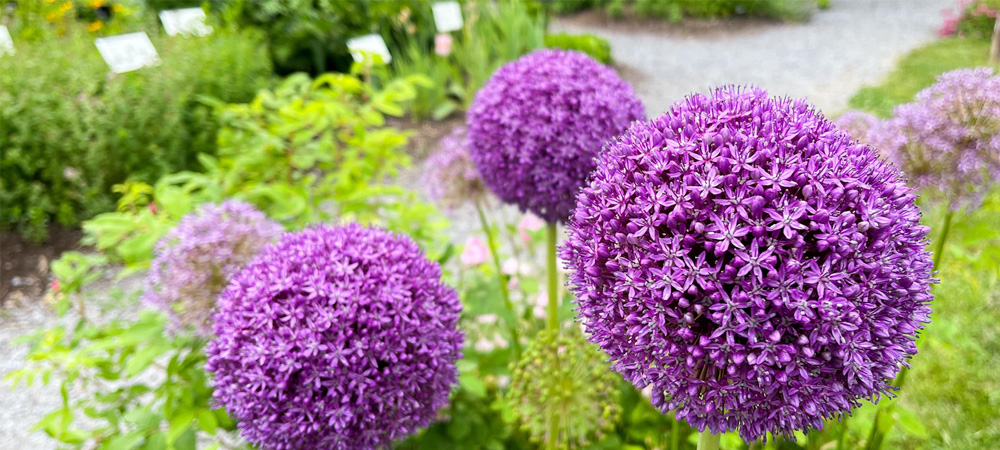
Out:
{"x": 826, "y": 60}
{"x": 841, "y": 49}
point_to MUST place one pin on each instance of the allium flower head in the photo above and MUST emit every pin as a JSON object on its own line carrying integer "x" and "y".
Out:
{"x": 335, "y": 338}
{"x": 450, "y": 175}
{"x": 948, "y": 140}
{"x": 858, "y": 124}
{"x": 563, "y": 379}
{"x": 194, "y": 261}
{"x": 757, "y": 267}
{"x": 537, "y": 124}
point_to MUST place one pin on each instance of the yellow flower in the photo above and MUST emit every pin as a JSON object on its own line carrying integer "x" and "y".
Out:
{"x": 95, "y": 25}
{"x": 50, "y": 1}
{"x": 117, "y": 8}
{"x": 66, "y": 6}
{"x": 94, "y": 4}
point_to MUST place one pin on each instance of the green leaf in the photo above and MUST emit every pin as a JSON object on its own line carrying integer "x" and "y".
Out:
{"x": 473, "y": 385}
{"x": 123, "y": 441}
{"x": 143, "y": 358}
{"x": 143, "y": 418}
{"x": 187, "y": 440}
{"x": 910, "y": 423}
{"x": 207, "y": 421}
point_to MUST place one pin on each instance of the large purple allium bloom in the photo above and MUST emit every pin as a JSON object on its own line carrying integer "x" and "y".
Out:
{"x": 749, "y": 261}
{"x": 538, "y": 123}
{"x": 335, "y": 338}
{"x": 948, "y": 140}
{"x": 450, "y": 176}
{"x": 194, "y": 261}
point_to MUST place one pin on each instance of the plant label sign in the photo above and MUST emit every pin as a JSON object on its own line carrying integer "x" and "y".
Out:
{"x": 6, "y": 43}
{"x": 447, "y": 16}
{"x": 127, "y": 52}
{"x": 185, "y": 21}
{"x": 371, "y": 43}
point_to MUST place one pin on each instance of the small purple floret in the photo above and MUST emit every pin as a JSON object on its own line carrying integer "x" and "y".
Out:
{"x": 335, "y": 338}
{"x": 744, "y": 257}
{"x": 538, "y": 123}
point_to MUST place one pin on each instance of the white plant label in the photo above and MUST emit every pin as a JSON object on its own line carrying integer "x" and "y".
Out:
{"x": 371, "y": 43}
{"x": 6, "y": 43}
{"x": 127, "y": 52}
{"x": 186, "y": 21}
{"x": 447, "y": 16}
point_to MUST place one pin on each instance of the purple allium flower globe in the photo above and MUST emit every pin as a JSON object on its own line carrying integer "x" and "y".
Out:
{"x": 858, "y": 124}
{"x": 948, "y": 140}
{"x": 746, "y": 258}
{"x": 335, "y": 338}
{"x": 538, "y": 123}
{"x": 195, "y": 259}
{"x": 450, "y": 176}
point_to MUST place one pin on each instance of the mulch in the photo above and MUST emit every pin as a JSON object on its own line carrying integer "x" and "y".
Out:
{"x": 24, "y": 265}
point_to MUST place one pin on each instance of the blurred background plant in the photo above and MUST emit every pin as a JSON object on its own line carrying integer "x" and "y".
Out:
{"x": 71, "y": 131}
{"x": 677, "y": 10}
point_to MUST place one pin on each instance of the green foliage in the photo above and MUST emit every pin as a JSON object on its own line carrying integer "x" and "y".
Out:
{"x": 306, "y": 152}
{"x": 594, "y": 46}
{"x": 147, "y": 387}
{"x": 311, "y": 36}
{"x": 919, "y": 69}
{"x": 978, "y": 19}
{"x": 71, "y": 130}
{"x": 491, "y": 36}
{"x": 676, "y": 10}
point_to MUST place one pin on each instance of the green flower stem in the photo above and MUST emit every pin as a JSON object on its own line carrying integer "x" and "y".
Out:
{"x": 755, "y": 445}
{"x": 884, "y": 412}
{"x": 504, "y": 290}
{"x": 675, "y": 434}
{"x": 553, "y": 311}
{"x": 708, "y": 440}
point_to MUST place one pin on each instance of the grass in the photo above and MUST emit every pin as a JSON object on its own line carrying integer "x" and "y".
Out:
{"x": 918, "y": 70}
{"x": 954, "y": 388}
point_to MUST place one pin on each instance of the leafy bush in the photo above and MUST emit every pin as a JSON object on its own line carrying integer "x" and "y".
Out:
{"x": 675, "y": 10}
{"x": 311, "y": 36}
{"x": 492, "y": 35}
{"x": 971, "y": 18}
{"x": 594, "y": 46}
{"x": 71, "y": 131}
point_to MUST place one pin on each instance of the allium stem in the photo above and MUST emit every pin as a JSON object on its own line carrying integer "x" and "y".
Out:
{"x": 675, "y": 435}
{"x": 945, "y": 229}
{"x": 708, "y": 440}
{"x": 504, "y": 289}
{"x": 553, "y": 312}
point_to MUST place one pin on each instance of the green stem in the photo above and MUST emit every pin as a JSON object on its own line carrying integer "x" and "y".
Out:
{"x": 843, "y": 433}
{"x": 675, "y": 435}
{"x": 939, "y": 249}
{"x": 504, "y": 290}
{"x": 755, "y": 445}
{"x": 553, "y": 311}
{"x": 708, "y": 440}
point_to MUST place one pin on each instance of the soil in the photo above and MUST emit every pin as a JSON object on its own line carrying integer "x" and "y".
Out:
{"x": 24, "y": 265}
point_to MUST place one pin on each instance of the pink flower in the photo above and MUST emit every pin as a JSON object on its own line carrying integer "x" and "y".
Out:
{"x": 442, "y": 44}
{"x": 475, "y": 252}
{"x": 529, "y": 222}
{"x": 54, "y": 286}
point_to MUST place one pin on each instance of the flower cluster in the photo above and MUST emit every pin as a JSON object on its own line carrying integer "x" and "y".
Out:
{"x": 751, "y": 262}
{"x": 562, "y": 383}
{"x": 450, "y": 176}
{"x": 194, "y": 261}
{"x": 949, "y": 138}
{"x": 859, "y": 125}
{"x": 335, "y": 338}
{"x": 538, "y": 123}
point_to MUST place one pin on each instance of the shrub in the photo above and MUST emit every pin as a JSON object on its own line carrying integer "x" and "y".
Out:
{"x": 675, "y": 10}
{"x": 310, "y": 36}
{"x": 594, "y": 46}
{"x": 71, "y": 131}
{"x": 971, "y": 18}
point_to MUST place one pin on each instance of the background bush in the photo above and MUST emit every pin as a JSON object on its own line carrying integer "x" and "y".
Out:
{"x": 676, "y": 10}
{"x": 594, "y": 46}
{"x": 71, "y": 129}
